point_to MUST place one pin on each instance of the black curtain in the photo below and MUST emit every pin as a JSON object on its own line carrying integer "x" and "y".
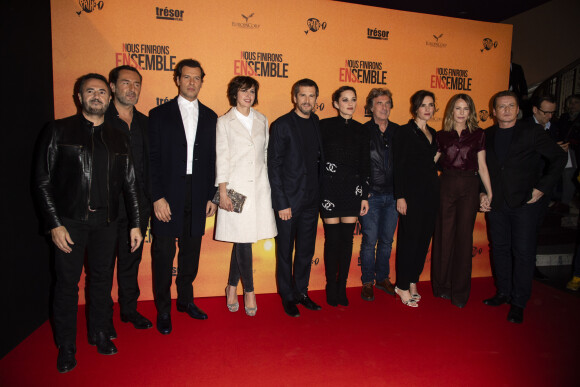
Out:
{"x": 27, "y": 105}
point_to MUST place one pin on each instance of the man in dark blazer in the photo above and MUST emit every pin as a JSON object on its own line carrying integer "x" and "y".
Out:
{"x": 125, "y": 82}
{"x": 294, "y": 160}
{"x": 513, "y": 149}
{"x": 182, "y": 154}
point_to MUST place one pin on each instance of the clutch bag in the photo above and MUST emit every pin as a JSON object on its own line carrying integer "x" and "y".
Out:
{"x": 237, "y": 199}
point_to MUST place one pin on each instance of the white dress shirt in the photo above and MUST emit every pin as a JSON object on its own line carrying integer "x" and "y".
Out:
{"x": 246, "y": 121}
{"x": 189, "y": 114}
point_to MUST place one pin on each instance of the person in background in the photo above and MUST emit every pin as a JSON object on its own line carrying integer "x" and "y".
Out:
{"x": 417, "y": 194}
{"x": 344, "y": 189}
{"x": 461, "y": 155}
{"x": 543, "y": 110}
{"x": 241, "y": 149}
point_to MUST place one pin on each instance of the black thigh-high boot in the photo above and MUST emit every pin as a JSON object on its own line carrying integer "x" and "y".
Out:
{"x": 346, "y": 237}
{"x": 331, "y": 258}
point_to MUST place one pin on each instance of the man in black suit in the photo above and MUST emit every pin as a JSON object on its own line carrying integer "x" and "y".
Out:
{"x": 125, "y": 82}
{"x": 543, "y": 109}
{"x": 182, "y": 154}
{"x": 294, "y": 159}
{"x": 513, "y": 148}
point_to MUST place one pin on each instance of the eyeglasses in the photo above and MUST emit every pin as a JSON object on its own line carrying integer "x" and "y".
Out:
{"x": 552, "y": 113}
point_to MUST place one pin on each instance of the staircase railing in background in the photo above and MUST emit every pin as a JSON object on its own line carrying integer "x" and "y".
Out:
{"x": 561, "y": 84}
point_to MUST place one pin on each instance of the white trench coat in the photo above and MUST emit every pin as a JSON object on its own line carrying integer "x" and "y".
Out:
{"x": 241, "y": 162}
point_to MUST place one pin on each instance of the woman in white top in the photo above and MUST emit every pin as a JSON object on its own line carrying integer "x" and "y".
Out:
{"x": 241, "y": 148}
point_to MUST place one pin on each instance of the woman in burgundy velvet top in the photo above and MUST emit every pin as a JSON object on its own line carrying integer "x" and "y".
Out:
{"x": 461, "y": 155}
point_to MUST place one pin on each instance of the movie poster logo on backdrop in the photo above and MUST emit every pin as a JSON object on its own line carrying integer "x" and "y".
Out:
{"x": 313, "y": 24}
{"x": 246, "y": 24}
{"x": 362, "y": 71}
{"x": 435, "y": 42}
{"x": 261, "y": 64}
{"x": 149, "y": 57}
{"x": 89, "y": 6}
{"x": 488, "y": 44}
{"x": 483, "y": 115}
{"x": 451, "y": 79}
{"x": 375, "y": 33}
{"x": 169, "y": 14}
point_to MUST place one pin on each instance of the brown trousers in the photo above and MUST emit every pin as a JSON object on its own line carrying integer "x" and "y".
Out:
{"x": 453, "y": 239}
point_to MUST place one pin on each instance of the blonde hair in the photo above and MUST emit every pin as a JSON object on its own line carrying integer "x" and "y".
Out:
{"x": 448, "y": 122}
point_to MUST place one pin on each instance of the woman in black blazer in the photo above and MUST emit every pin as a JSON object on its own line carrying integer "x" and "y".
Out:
{"x": 417, "y": 193}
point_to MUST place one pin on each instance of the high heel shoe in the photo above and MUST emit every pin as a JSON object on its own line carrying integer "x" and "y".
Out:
{"x": 232, "y": 307}
{"x": 250, "y": 311}
{"x": 410, "y": 302}
{"x": 415, "y": 296}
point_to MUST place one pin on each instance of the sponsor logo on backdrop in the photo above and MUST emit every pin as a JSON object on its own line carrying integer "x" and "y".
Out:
{"x": 435, "y": 118}
{"x": 488, "y": 44}
{"x": 362, "y": 71}
{"x": 476, "y": 251}
{"x": 314, "y": 25}
{"x": 451, "y": 79}
{"x": 318, "y": 106}
{"x": 161, "y": 100}
{"x": 435, "y": 42}
{"x": 246, "y": 24}
{"x": 377, "y": 34}
{"x": 166, "y": 13}
{"x": 89, "y": 6}
{"x": 483, "y": 115}
{"x": 261, "y": 64}
{"x": 148, "y": 57}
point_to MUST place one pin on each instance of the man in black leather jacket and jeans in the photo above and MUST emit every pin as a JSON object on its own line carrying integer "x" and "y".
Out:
{"x": 82, "y": 166}
{"x": 379, "y": 224}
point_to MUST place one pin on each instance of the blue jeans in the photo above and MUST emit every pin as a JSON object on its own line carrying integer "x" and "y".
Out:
{"x": 378, "y": 228}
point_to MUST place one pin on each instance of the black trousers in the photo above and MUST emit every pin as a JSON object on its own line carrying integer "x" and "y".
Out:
{"x": 97, "y": 239}
{"x": 451, "y": 261}
{"x": 128, "y": 262}
{"x": 241, "y": 266}
{"x": 299, "y": 232}
{"x": 513, "y": 237}
{"x": 414, "y": 235}
{"x": 163, "y": 253}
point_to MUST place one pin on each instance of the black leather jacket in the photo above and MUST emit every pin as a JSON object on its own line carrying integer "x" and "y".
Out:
{"x": 63, "y": 171}
{"x": 381, "y": 177}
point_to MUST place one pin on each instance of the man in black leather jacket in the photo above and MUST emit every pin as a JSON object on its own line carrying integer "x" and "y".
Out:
{"x": 379, "y": 224}
{"x": 82, "y": 166}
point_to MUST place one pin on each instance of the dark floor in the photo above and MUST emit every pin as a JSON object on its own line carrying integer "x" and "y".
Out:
{"x": 555, "y": 239}
{"x": 558, "y": 277}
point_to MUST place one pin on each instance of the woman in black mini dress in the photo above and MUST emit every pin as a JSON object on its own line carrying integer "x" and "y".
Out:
{"x": 344, "y": 189}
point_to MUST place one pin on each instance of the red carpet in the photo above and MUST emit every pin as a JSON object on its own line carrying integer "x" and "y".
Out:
{"x": 368, "y": 343}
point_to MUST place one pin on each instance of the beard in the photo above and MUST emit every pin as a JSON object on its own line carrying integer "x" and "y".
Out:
{"x": 126, "y": 101}
{"x": 304, "y": 111}
{"x": 98, "y": 109}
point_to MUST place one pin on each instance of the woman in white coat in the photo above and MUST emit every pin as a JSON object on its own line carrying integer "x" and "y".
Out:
{"x": 241, "y": 148}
